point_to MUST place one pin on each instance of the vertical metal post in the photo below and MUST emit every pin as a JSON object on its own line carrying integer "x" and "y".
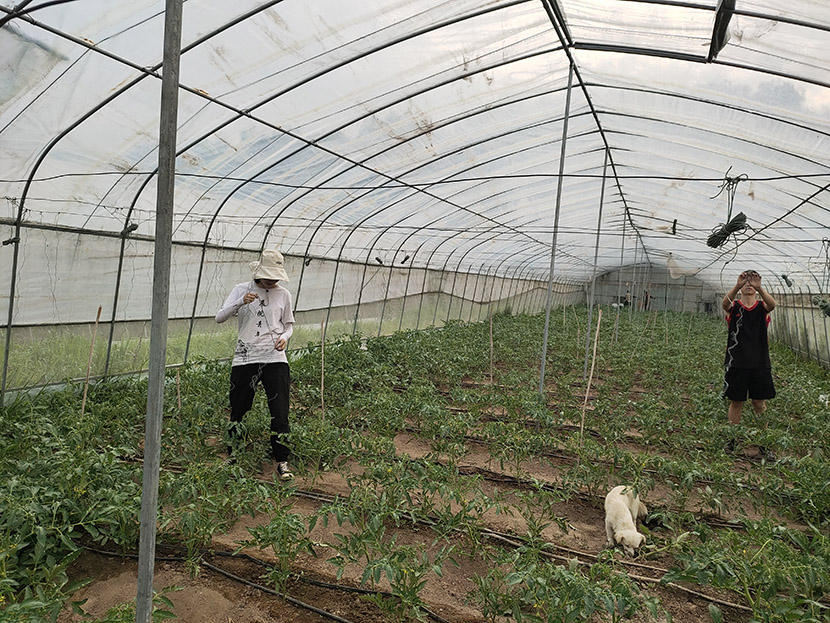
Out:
{"x": 804, "y": 320}
{"x": 452, "y": 291}
{"x": 556, "y": 226}
{"x": 421, "y": 301}
{"x": 815, "y": 331}
{"x": 511, "y": 293}
{"x": 359, "y": 297}
{"x": 161, "y": 297}
{"x": 594, "y": 272}
{"x": 795, "y": 320}
{"x": 483, "y": 298}
{"x": 619, "y": 275}
{"x": 406, "y": 290}
{"x": 473, "y": 296}
{"x": 438, "y": 295}
{"x": 826, "y": 339}
{"x": 386, "y": 295}
{"x": 633, "y": 288}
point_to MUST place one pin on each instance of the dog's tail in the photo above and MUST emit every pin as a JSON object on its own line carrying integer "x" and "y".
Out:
{"x": 642, "y": 511}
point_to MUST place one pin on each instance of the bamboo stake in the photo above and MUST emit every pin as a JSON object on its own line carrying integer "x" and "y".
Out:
{"x": 322, "y": 367}
{"x": 89, "y": 361}
{"x": 588, "y": 389}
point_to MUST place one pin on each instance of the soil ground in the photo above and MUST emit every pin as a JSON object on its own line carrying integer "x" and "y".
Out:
{"x": 232, "y": 597}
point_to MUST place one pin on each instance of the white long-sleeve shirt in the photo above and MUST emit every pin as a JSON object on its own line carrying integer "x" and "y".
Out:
{"x": 261, "y": 322}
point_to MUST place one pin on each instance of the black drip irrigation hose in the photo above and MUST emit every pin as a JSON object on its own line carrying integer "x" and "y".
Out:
{"x": 265, "y": 589}
{"x": 511, "y": 540}
{"x": 321, "y": 583}
{"x": 271, "y": 591}
{"x": 228, "y": 574}
{"x": 572, "y": 458}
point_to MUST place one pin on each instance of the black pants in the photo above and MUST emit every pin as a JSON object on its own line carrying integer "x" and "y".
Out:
{"x": 276, "y": 380}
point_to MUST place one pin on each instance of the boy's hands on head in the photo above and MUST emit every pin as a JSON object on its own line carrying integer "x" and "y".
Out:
{"x": 750, "y": 277}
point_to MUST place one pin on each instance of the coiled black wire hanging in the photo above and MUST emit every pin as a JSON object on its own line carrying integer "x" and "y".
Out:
{"x": 733, "y": 226}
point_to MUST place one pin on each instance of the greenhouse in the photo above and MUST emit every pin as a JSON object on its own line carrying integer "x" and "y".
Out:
{"x": 511, "y": 252}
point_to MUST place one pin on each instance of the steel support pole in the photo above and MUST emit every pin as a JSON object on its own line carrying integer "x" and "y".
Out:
{"x": 619, "y": 278}
{"x": 633, "y": 288}
{"x": 406, "y": 291}
{"x": 594, "y": 273}
{"x": 556, "y": 227}
{"x": 161, "y": 297}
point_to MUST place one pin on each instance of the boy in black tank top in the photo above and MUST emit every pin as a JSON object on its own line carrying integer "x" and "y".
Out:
{"x": 747, "y": 364}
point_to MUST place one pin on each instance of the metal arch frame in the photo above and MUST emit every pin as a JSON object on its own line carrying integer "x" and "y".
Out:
{"x": 518, "y": 269}
{"x": 458, "y": 267}
{"x": 415, "y": 188}
{"x": 505, "y": 278}
{"x": 334, "y": 176}
{"x": 622, "y": 195}
{"x": 507, "y": 256}
{"x": 240, "y": 114}
{"x": 402, "y": 243}
{"x": 374, "y": 111}
{"x": 737, "y": 138}
{"x": 353, "y": 229}
{"x": 803, "y": 202}
{"x": 385, "y": 207}
{"x": 406, "y": 238}
{"x": 706, "y": 101}
{"x": 523, "y": 270}
{"x": 315, "y": 144}
{"x": 472, "y": 299}
{"x": 483, "y": 288}
{"x": 594, "y": 275}
{"x": 560, "y": 28}
{"x": 443, "y": 270}
{"x": 145, "y": 72}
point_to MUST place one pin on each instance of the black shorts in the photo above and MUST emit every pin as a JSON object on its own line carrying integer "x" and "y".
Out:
{"x": 756, "y": 383}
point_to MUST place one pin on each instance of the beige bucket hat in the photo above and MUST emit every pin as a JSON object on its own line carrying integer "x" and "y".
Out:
{"x": 270, "y": 266}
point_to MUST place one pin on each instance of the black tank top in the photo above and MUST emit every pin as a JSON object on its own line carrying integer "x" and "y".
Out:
{"x": 747, "y": 345}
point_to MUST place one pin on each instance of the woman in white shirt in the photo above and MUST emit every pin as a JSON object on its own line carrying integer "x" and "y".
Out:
{"x": 266, "y": 322}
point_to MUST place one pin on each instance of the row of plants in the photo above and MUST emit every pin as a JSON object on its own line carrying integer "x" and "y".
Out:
{"x": 68, "y": 480}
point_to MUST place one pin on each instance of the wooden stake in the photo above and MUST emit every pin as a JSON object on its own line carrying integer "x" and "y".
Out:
{"x": 588, "y": 389}
{"x": 89, "y": 361}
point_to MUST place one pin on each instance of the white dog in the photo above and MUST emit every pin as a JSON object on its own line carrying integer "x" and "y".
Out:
{"x": 622, "y": 510}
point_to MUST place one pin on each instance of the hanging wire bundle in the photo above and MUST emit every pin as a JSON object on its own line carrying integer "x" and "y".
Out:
{"x": 823, "y": 304}
{"x": 787, "y": 280}
{"x": 722, "y": 233}
{"x": 735, "y": 225}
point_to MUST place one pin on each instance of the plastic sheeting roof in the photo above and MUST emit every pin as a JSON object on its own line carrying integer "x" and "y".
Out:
{"x": 433, "y": 129}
